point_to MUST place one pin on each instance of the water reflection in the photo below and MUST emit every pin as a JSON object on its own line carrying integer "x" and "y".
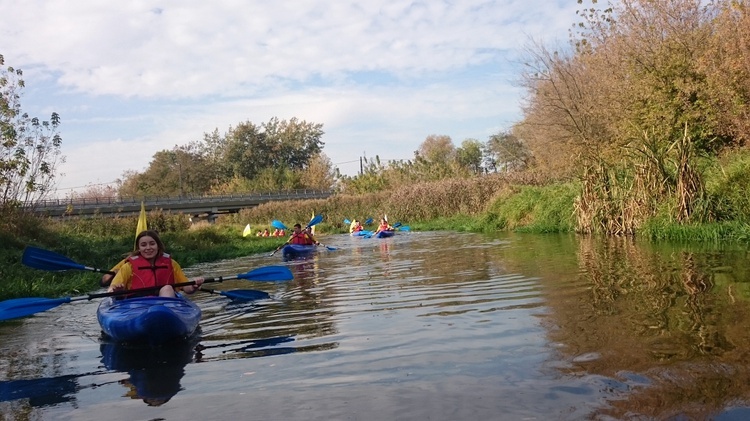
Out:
{"x": 672, "y": 317}
{"x": 437, "y": 326}
{"x": 154, "y": 372}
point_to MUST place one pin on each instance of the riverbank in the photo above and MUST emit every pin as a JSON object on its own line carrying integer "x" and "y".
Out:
{"x": 483, "y": 204}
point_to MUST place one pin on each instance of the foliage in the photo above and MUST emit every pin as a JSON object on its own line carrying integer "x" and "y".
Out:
{"x": 29, "y": 147}
{"x": 101, "y": 242}
{"x": 277, "y": 155}
{"x": 507, "y": 152}
{"x": 469, "y": 156}
{"x": 541, "y": 209}
{"x": 436, "y": 159}
{"x": 641, "y": 90}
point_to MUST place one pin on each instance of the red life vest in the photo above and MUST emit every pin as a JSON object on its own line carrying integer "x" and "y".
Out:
{"x": 300, "y": 238}
{"x": 145, "y": 275}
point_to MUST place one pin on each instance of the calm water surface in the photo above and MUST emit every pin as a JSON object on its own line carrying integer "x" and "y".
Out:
{"x": 438, "y": 326}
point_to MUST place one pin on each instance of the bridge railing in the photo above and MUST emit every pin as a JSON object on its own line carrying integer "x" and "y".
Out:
{"x": 163, "y": 200}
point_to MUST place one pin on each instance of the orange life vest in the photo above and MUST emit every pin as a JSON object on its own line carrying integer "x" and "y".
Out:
{"x": 145, "y": 275}
{"x": 301, "y": 238}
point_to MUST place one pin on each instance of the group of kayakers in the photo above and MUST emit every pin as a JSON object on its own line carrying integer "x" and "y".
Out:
{"x": 356, "y": 226}
{"x": 150, "y": 266}
{"x": 266, "y": 233}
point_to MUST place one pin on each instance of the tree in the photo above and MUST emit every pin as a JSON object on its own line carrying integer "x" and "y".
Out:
{"x": 272, "y": 156}
{"x": 177, "y": 172}
{"x": 437, "y": 149}
{"x": 29, "y": 148}
{"x": 294, "y": 143}
{"x": 469, "y": 156}
{"x": 318, "y": 174}
{"x": 646, "y": 88}
{"x": 506, "y": 151}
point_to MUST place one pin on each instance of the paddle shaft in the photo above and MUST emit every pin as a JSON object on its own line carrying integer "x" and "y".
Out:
{"x": 154, "y": 288}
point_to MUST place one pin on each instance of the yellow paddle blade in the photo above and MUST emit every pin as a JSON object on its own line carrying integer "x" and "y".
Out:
{"x": 247, "y": 231}
{"x": 142, "y": 225}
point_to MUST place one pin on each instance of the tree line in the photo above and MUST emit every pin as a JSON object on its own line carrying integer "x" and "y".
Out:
{"x": 646, "y": 99}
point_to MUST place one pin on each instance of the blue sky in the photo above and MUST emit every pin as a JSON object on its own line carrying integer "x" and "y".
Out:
{"x": 132, "y": 78}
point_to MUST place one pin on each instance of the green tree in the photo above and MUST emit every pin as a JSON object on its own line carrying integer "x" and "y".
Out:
{"x": 469, "y": 156}
{"x": 177, "y": 172}
{"x": 437, "y": 149}
{"x": 273, "y": 156}
{"x": 318, "y": 174}
{"x": 30, "y": 149}
{"x": 505, "y": 151}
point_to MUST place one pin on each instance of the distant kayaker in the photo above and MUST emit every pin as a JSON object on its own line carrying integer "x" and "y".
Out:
{"x": 356, "y": 226}
{"x": 150, "y": 266}
{"x": 299, "y": 236}
{"x": 384, "y": 226}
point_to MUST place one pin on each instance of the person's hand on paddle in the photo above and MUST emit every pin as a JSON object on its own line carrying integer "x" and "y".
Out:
{"x": 193, "y": 288}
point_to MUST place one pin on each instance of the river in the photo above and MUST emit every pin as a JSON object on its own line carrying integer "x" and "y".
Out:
{"x": 423, "y": 325}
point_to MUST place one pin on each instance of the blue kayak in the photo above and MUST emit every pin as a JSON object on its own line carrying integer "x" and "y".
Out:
{"x": 148, "y": 319}
{"x": 385, "y": 234}
{"x": 291, "y": 251}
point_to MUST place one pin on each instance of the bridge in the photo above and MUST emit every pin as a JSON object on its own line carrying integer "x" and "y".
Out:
{"x": 198, "y": 206}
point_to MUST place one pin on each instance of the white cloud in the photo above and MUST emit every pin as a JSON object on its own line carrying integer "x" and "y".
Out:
{"x": 132, "y": 78}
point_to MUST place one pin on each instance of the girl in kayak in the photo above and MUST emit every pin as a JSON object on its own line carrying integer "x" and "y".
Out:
{"x": 150, "y": 266}
{"x": 384, "y": 226}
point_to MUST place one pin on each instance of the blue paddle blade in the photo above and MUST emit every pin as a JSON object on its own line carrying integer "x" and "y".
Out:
{"x": 397, "y": 224}
{"x": 268, "y": 273}
{"x": 404, "y": 228}
{"x": 331, "y": 248}
{"x": 368, "y": 221}
{"x": 278, "y": 225}
{"x": 316, "y": 220}
{"x": 22, "y": 307}
{"x": 46, "y": 260}
{"x": 245, "y": 294}
{"x": 347, "y": 222}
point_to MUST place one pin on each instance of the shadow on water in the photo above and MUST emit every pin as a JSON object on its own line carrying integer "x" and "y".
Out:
{"x": 42, "y": 392}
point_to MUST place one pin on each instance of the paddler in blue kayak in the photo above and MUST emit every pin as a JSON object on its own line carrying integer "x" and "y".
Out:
{"x": 299, "y": 236}
{"x": 355, "y": 227}
{"x": 150, "y": 266}
{"x": 384, "y": 226}
{"x": 303, "y": 237}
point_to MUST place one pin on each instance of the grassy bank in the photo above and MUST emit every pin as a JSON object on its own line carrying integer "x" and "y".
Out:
{"x": 101, "y": 242}
{"x": 486, "y": 204}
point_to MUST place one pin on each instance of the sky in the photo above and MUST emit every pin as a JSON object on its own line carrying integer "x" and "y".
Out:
{"x": 132, "y": 78}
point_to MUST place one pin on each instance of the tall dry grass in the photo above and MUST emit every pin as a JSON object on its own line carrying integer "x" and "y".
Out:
{"x": 415, "y": 202}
